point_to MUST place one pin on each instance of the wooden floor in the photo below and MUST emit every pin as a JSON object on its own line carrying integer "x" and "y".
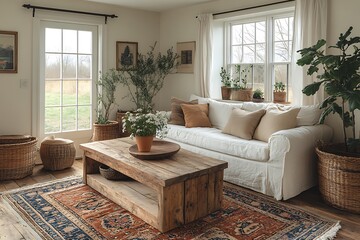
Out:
{"x": 11, "y": 228}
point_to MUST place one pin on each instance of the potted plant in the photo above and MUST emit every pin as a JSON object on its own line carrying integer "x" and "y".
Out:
{"x": 144, "y": 125}
{"x": 226, "y": 84}
{"x": 258, "y": 96}
{"x": 338, "y": 74}
{"x": 240, "y": 91}
{"x": 146, "y": 78}
{"x": 279, "y": 92}
{"x": 106, "y": 86}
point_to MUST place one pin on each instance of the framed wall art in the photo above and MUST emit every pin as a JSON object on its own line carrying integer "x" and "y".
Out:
{"x": 186, "y": 52}
{"x": 126, "y": 54}
{"x": 8, "y": 51}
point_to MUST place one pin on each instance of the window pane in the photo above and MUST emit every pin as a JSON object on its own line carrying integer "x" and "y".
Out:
{"x": 249, "y": 54}
{"x": 85, "y": 42}
{"x": 280, "y": 73}
{"x": 281, "y": 52}
{"x": 259, "y": 77}
{"x": 84, "y": 66}
{"x": 260, "y": 53}
{"x": 52, "y": 119}
{"x": 52, "y": 93}
{"x": 281, "y": 32}
{"x": 236, "y": 34}
{"x": 84, "y": 117}
{"x": 69, "y": 119}
{"x": 69, "y": 66}
{"x": 249, "y": 33}
{"x": 69, "y": 92}
{"x": 52, "y": 66}
{"x": 53, "y": 40}
{"x": 84, "y": 92}
{"x": 260, "y": 32}
{"x": 291, "y": 27}
{"x": 69, "y": 38}
{"x": 236, "y": 54}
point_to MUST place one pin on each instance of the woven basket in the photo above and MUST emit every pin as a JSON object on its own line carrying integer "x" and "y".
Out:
{"x": 339, "y": 179}
{"x": 111, "y": 174}
{"x": 57, "y": 153}
{"x": 17, "y": 156}
{"x": 105, "y": 131}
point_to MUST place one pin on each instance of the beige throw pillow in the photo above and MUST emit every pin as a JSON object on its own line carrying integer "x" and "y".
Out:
{"x": 275, "y": 120}
{"x": 196, "y": 115}
{"x": 243, "y": 123}
{"x": 177, "y": 115}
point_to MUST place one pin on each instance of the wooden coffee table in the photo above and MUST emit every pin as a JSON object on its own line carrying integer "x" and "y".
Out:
{"x": 165, "y": 193}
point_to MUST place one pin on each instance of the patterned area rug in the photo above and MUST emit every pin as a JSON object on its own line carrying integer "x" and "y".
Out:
{"x": 68, "y": 209}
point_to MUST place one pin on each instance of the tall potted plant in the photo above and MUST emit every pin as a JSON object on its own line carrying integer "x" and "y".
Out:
{"x": 339, "y": 165}
{"x": 226, "y": 84}
{"x": 104, "y": 128}
{"x": 240, "y": 90}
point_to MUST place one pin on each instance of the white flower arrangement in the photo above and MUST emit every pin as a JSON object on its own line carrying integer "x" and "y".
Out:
{"x": 142, "y": 123}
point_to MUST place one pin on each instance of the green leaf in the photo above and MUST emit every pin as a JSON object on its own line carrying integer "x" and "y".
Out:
{"x": 312, "y": 88}
{"x": 312, "y": 69}
{"x": 327, "y": 101}
{"x": 354, "y": 101}
{"x": 324, "y": 114}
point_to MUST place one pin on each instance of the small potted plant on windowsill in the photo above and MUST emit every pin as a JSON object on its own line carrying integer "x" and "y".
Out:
{"x": 240, "y": 91}
{"x": 279, "y": 92}
{"x": 226, "y": 84}
{"x": 104, "y": 128}
{"x": 258, "y": 96}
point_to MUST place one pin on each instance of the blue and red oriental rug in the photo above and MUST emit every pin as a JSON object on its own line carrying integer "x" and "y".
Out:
{"x": 68, "y": 209}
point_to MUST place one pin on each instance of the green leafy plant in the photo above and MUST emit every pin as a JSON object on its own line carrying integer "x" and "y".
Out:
{"x": 258, "y": 94}
{"x": 225, "y": 77}
{"x": 146, "y": 78}
{"x": 339, "y": 76}
{"x": 279, "y": 87}
{"x": 142, "y": 123}
{"x": 241, "y": 81}
{"x": 106, "y": 87}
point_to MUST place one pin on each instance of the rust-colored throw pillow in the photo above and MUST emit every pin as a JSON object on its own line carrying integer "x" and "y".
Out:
{"x": 177, "y": 115}
{"x": 196, "y": 115}
{"x": 243, "y": 123}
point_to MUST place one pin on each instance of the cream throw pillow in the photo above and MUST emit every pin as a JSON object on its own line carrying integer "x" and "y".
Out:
{"x": 196, "y": 115}
{"x": 275, "y": 120}
{"x": 243, "y": 123}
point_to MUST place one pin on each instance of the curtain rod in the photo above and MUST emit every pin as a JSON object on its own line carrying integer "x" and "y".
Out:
{"x": 28, "y": 6}
{"x": 248, "y": 8}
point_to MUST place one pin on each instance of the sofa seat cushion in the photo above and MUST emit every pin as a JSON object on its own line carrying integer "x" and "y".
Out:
{"x": 213, "y": 139}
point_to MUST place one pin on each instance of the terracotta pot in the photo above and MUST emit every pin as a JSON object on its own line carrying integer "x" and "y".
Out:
{"x": 144, "y": 143}
{"x": 279, "y": 97}
{"x": 225, "y": 93}
{"x": 241, "y": 94}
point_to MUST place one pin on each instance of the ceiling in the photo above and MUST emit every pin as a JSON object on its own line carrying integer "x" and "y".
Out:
{"x": 152, "y": 5}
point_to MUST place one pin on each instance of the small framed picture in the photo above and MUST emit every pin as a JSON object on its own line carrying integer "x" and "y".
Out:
{"x": 126, "y": 54}
{"x": 8, "y": 52}
{"x": 186, "y": 52}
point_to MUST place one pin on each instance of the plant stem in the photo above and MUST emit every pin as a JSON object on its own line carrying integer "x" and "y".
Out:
{"x": 343, "y": 119}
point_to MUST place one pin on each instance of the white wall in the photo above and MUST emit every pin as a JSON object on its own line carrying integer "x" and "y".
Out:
{"x": 15, "y": 102}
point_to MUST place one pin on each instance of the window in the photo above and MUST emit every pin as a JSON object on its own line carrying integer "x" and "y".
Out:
{"x": 259, "y": 51}
{"x": 68, "y": 69}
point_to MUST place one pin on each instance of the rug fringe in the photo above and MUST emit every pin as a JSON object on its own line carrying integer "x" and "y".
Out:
{"x": 331, "y": 234}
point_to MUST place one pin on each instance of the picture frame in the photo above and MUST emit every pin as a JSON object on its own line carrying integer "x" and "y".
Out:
{"x": 126, "y": 54}
{"x": 8, "y": 52}
{"x": 186, "y": 52}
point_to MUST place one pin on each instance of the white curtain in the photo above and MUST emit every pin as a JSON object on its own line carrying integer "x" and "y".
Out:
{"x": 309, "y": 26}
{"x": 205, "y": 52}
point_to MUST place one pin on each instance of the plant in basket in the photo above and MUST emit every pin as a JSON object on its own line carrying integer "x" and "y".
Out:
{"x": 144, "y": 126}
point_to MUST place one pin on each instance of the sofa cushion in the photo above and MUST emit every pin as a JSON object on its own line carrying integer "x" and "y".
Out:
{"x": 219, "y": 112}
{"x": 177, "y": 115}
{"x": 196, "y": 115}
{"x": 213, "y": 139}
{"x": 275, "y": 120}
{"x": 243, "y": 123}
{"x": 308, "y": 115}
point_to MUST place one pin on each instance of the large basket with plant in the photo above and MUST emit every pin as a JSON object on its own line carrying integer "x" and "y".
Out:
{"x": 17, "y": 156}
{"x": 339, "y": 165}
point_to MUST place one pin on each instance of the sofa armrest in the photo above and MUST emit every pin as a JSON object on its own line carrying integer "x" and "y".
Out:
{"x": 293, "y": 152}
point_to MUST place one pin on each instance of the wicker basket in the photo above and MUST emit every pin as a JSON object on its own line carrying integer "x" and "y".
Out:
{"x": 105, "y": 131}
{"x": 339, "y": 179}
{"x": 111, "y": 174}
{"x": 57, "y": 153}
{"x": 17, "y": 156}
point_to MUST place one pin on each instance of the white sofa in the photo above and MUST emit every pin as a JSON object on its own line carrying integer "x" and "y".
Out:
{"x": 283, "y": 167}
